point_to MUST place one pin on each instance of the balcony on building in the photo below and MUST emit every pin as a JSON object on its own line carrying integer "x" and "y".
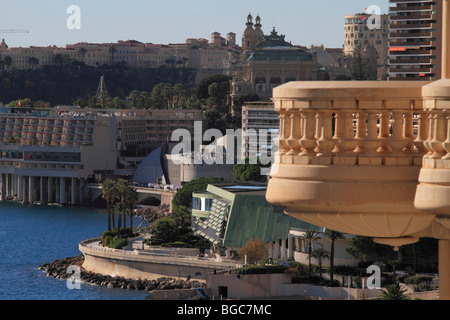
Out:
{"x": 370, "y": 158}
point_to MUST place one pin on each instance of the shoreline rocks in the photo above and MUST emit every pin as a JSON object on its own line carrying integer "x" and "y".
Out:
{"x": 58, "y": 269}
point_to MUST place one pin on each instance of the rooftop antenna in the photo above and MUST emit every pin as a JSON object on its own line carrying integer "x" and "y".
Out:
{"x": 101, "y": 87}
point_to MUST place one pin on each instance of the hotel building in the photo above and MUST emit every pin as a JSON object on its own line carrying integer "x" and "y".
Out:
{"x": 48, "y": 155}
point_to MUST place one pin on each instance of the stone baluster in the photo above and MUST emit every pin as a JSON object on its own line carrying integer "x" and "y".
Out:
{"x": 397, "y": 142}
{"x": 446, "y": 143}
{"x": 372, "y": 143}
{"x": 422, "y": 133}
{"x": 347, "y": 141}
{"x": 295, "y": 133}
{"x": 361, "y": 132}
{"x": 318, "y": 131}
{"x": 338, "y": 132}
{"x": 308, "y": 141}
{"x": 439, "y": 135}
{"x": 427, "y": 142}
{"x": 283, "y": 147}
{"x": 408, "y": 133}
{"x": 384, "y": 135}
{"x": 325, "y": 142}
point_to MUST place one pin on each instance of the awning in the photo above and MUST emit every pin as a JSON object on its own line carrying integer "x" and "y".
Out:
{"x": 397, "y": 49}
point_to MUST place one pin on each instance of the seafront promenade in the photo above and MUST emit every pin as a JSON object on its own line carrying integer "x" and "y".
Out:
{"x": 138, "y": 261}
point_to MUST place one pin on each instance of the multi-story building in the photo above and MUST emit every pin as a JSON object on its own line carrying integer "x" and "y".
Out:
{"x": 274, "y": 61}
{"x": 360, "y": 39}
{"x": 46, "y": 155}
{"x": 415, "y": 46}
{"x": 205, "y": 57}
{"x": 260, "y": 126}
{"x": 231, "y": 215}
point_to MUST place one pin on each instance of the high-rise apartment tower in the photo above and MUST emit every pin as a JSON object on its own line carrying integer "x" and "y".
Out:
{"x": 415, "y": 40}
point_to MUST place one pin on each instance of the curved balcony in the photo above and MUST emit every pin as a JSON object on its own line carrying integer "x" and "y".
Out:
{"x": 350, "y": 155}
{"x": 433, "y": 192}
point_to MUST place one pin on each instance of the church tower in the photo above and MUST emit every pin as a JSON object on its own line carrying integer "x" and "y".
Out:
{"x": 259, "y": 34}
{"x": 252, "y": 35}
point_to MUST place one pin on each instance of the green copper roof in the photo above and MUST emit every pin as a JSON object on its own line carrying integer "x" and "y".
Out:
{"x": 241, "y": 213}
{"x": 252, "y": 217}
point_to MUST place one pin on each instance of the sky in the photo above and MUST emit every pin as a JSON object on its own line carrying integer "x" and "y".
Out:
{"x": 303, "y": 22}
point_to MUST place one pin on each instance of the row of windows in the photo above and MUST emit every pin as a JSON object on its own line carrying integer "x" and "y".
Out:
{"x": 41, "y": 156}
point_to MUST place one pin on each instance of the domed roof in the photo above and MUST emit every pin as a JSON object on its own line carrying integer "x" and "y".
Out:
{"x": 274, "y": 40}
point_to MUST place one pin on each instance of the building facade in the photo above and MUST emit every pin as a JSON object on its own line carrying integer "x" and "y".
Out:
{"x": 260, "y": 127}
{"x": 199, "y": 54}
{"x": 274, "y": 61}
{"x": 415, "y": 40}
{"x": 231, "y": 215}
{"x": 362, "y": 40}
{"x": 47, "y": 155}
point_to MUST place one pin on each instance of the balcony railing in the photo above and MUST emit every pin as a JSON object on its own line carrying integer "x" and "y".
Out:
{"x": 350, "y": 154}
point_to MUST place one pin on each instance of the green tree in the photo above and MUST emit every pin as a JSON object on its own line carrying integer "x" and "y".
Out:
{"x": 320, "y": 254}
{"x": 82, "y": 52}
{"x": 33, "y": 61}
{"x": 131, "y": 197}
{"x": 360, "y": 247}
{"x": 310, "y": 237}
{"x": 249, "y": 172}
{"x": 112, "y": 51}
{"x": 164, "y": 229}
{"x": 8, "y": 61}
{"x": 80, "y": 102}
{"x": 359, "y": 65}
{"x": 162, "y": 96}
{"x": 110, "y": 194}
{"x": 333, "y": 236}
{"x": 58, "y": 59}
{"x": 183, "y": 197}
{"x": 202, "y": 90}
{"x": 103, "y": 100}
{"x": 393, "y": 292}
{"x": 215, "y": 119}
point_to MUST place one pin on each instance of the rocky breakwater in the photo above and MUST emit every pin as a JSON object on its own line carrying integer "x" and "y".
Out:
{"x": 59, "y": 269}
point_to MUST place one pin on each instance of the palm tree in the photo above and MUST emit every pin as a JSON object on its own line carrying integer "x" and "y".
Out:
{"x": 121, "y": 187}
{"x": 82, "y": 52}
{"x": 333, "y": 236}
{"x": 58, "y": 59}
{"x": 33, "y": 61}
{"x": 310, "y": 237}
{"x": 109, "y": 193}
{"x": 112, "y": 51}
{"x": 8, "y": 61}
{"x": 319, "y": 254}
{"x": 393, "y": 292}
{"x": 131, "y": 197}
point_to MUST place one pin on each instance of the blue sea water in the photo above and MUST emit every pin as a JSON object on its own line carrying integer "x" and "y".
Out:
{"x": 33, "y": 235}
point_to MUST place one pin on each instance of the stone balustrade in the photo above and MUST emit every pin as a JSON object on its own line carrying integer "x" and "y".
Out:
{"x": 350, "y": 155}
{"x": 367, "y": 158}
{"x": 327, "y": 130}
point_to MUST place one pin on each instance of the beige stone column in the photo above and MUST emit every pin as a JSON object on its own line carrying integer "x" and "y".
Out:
{"x": 444, "y": 245}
